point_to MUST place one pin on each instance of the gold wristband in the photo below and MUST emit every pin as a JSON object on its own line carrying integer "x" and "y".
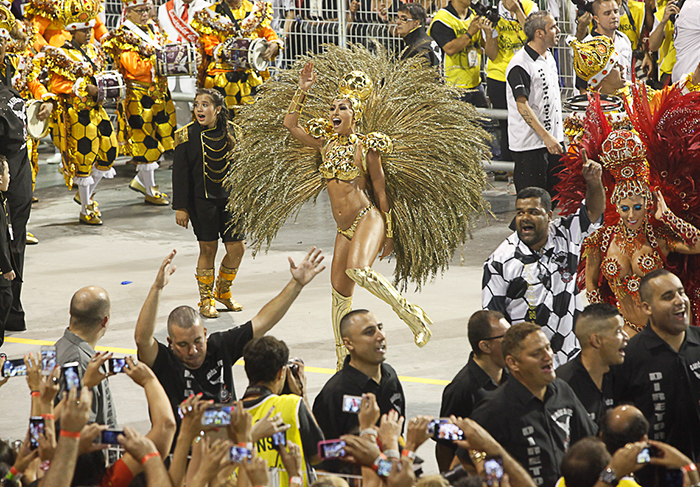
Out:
{"x": 389, "y": 225}
{"x": 298, "y": 102}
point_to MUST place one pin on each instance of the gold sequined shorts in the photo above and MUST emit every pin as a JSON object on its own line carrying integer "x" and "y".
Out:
{"x": 350, "y": 232}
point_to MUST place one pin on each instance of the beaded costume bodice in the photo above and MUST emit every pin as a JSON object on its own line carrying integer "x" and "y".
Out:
{"x": 339, "y": 160}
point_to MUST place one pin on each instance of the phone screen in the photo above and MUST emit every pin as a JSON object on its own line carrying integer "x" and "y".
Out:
{"x": 442, "y": 429}
{"x": 279, "y": 439}
{"x": 238, "y": 454}
{"x": 217, "y": 416}
{"x": 71, "y": 375}
{"x": 351, "y": 404}
{"x": 36, "y": 429}
{"x": 644, "y": 456}
{"x": 331, "y": 449}
{"x": 493, "y": 468}
{"x": 109, "y": 437}
{"x": 48, "y": 359}
{"x": 116, "y": 365}
{"x": 14, "y": 368}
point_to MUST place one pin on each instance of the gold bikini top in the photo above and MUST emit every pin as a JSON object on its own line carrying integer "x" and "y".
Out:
{"x": 338, "y": 162}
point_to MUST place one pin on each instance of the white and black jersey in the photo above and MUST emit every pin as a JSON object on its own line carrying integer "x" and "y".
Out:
{"x": 536, "y": 78}
{"x": 540, "y": 287}
{"x": 664, "y": 385}
{"x": 536, "y": 433}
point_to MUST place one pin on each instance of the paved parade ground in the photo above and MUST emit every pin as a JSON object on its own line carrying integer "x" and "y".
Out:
{"x": 124, "y": 254}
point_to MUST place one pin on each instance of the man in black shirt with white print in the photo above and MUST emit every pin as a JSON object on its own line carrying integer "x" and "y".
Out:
{"x": 661, "y": 373}
{"x": 194, "y": 363}
{"x": 535, "y": 416}
{"x": 600, "y": 331}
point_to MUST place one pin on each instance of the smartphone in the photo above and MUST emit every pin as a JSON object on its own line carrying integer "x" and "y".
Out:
{"x": 36, "y": 429}
{"x": 14, "y": 368}
{"x": 442, "y": 429}
{"x": 384, "y": 468}
{"x": 493, "y": 468}
{"x": 109, "y": 437}
{"x": 279, "y": 439}
{"x": 351, "y": 404}
{"x": 217, "y": 415}
{"x": 238, "y": 454}
{"x": 48, "y": 359}
{"x": 71, "y": 375}
{"x": 331, "y": 449}
{"x": 647, "y": 454}
{"x": 116, "y": 365}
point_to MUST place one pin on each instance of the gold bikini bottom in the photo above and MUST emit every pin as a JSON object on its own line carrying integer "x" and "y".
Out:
{"x": 351, "y": 231}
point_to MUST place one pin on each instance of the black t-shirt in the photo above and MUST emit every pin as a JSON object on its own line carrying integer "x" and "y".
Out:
{"x": 214, "y": 379}
{"x": 468, "y": 388}
{"x": 536, "y": 433}
{"x": 328, "y": 406}
{"x": 593, "y": 399}
{"x": 665, "y": 386}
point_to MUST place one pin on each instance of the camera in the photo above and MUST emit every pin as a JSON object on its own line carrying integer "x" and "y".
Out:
{"x": 583, "y": 6}
{"x": 677, "y": 3}
{"x": 489, "y": 13}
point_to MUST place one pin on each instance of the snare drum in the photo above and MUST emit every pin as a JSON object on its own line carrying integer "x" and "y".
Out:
{"x": 245, "y": 53}
{"x": 177, "y": 60}
{"x": 110, "y": 86}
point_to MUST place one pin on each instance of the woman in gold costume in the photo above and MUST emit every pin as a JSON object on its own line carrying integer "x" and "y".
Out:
{"x": 401, "y": 160}
{"x": 352, "y": 169}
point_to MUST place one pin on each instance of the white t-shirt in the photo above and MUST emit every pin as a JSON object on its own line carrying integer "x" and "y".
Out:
{"x": 686, "y": 40}
{"x": 537, "y": 78}
{"x": 164, "y": 18}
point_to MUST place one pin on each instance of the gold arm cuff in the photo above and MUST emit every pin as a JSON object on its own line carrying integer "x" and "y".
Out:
{"x": 689, "y": 83}
{"x": 298, "y": 102}
{"x": 389, "y": 225}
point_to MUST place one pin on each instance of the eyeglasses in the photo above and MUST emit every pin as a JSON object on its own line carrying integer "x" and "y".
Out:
{"x": 492, "y": 338}
{"x": 142, "y": 11}
{"x": 403, "y": 19}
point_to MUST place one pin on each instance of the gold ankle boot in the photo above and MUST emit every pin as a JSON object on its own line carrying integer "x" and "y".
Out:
{"x": 222, "y": 291}
{"x": 205, "y": 280}
{"x": 341, "y": 306}
{"x": 413, "y": 315}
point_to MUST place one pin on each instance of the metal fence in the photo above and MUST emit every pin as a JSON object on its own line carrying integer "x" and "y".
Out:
{"x": 313, "y": 23}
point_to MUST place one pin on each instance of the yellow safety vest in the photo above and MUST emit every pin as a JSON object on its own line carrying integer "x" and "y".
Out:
{"x": 667, "y": 51}
{"x": 457, "y": 69}
{"x": 637, "y": 11}
{"x": 288, "y": 406}
{"x": 511, "y": 38}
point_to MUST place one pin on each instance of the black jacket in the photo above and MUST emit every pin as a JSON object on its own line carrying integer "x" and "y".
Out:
{"x": 419, "y": 43}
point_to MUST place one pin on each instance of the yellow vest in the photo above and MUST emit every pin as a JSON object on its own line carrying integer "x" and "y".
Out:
{"x": 457, "y": 69}
{"x": 637, "y": 11}
{"x": 511, "y": 38}
{"x": 288, "y": 406}
{"x": 667, "y": 51}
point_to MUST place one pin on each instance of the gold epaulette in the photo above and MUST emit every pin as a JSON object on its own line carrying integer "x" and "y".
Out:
{"x": 182, "y": 135}
{"x": 379, "y": 142}
{"x": 236, "y": 129}
{"x": 319, "y": 127}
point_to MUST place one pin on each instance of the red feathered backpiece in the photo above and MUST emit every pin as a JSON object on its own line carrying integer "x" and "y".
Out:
{"x": 669, "y": 127}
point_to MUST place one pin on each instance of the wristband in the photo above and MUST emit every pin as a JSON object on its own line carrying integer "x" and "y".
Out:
{"x": 12, "y": 473}
{"x": 392, "y": 454}
{"x": 375, "y": 465}
{"x": 36, "y": 394}
{"x": 689, "y": 468}
{"x": 296, "y": 480}
{"x": 45, "y": 466}
{"x": 148, "y": 456}
{"x": 51, "y": 417}
{"x": 70, "y": 434}
{"x": 468, "y": 34}
{"x": 247, "y": 446}
{"x": 369, "y": 432}
{"x": 408, "y": 453}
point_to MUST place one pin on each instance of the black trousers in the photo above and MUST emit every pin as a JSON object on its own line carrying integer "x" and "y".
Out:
{"x": 537, "y": 168}
{"x": 497, "y": 95}
{"x": 5, "y": 306}
{"x": 476, "y": 97}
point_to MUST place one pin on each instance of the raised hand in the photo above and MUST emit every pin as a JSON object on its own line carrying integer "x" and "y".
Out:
{"x": 310, "y": 267}
{"x": 93, "y": 373}
{"x": 166, "y": 270}
{"x": 369, "y": 411}
{"x": 307, "y": 77}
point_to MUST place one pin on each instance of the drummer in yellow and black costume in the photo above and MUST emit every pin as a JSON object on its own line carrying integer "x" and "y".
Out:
{"x": 50, "y": 30}
{"x": 233, "y": 19}
{"x": 147, "y": 118}
{"x": 596, "y": 62}
{"x": 81, "y": 128}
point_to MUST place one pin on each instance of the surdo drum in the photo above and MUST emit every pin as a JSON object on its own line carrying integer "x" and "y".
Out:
{"x": 110, "y": 86}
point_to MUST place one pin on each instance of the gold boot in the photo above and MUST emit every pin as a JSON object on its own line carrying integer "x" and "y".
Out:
{"x": 222, "y": 292}
{"x": 341, "y": 306}
{"x": 205, "y": 280}
{"x": 411, "y": 314}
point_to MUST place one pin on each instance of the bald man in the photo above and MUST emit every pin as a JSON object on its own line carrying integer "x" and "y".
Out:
{"x": 600, "y": 331}
{"x": 89, "y": 318}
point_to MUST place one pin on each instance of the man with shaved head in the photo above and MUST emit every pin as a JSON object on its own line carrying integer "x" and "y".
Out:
{"x": 600, "y": 331}
{"x": 661, "y": 372}
{"x": 89, "y": 318}
{"x": 364, "y": 371}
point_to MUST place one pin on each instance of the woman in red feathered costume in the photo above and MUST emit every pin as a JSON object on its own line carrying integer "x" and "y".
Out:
{"x": 649, "y": 175}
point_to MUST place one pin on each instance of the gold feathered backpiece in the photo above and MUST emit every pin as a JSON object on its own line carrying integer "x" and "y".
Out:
{"x": 434, "y": 176}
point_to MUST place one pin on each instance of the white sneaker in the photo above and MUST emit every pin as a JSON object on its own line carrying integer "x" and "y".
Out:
{"x": 54, "y": 159}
